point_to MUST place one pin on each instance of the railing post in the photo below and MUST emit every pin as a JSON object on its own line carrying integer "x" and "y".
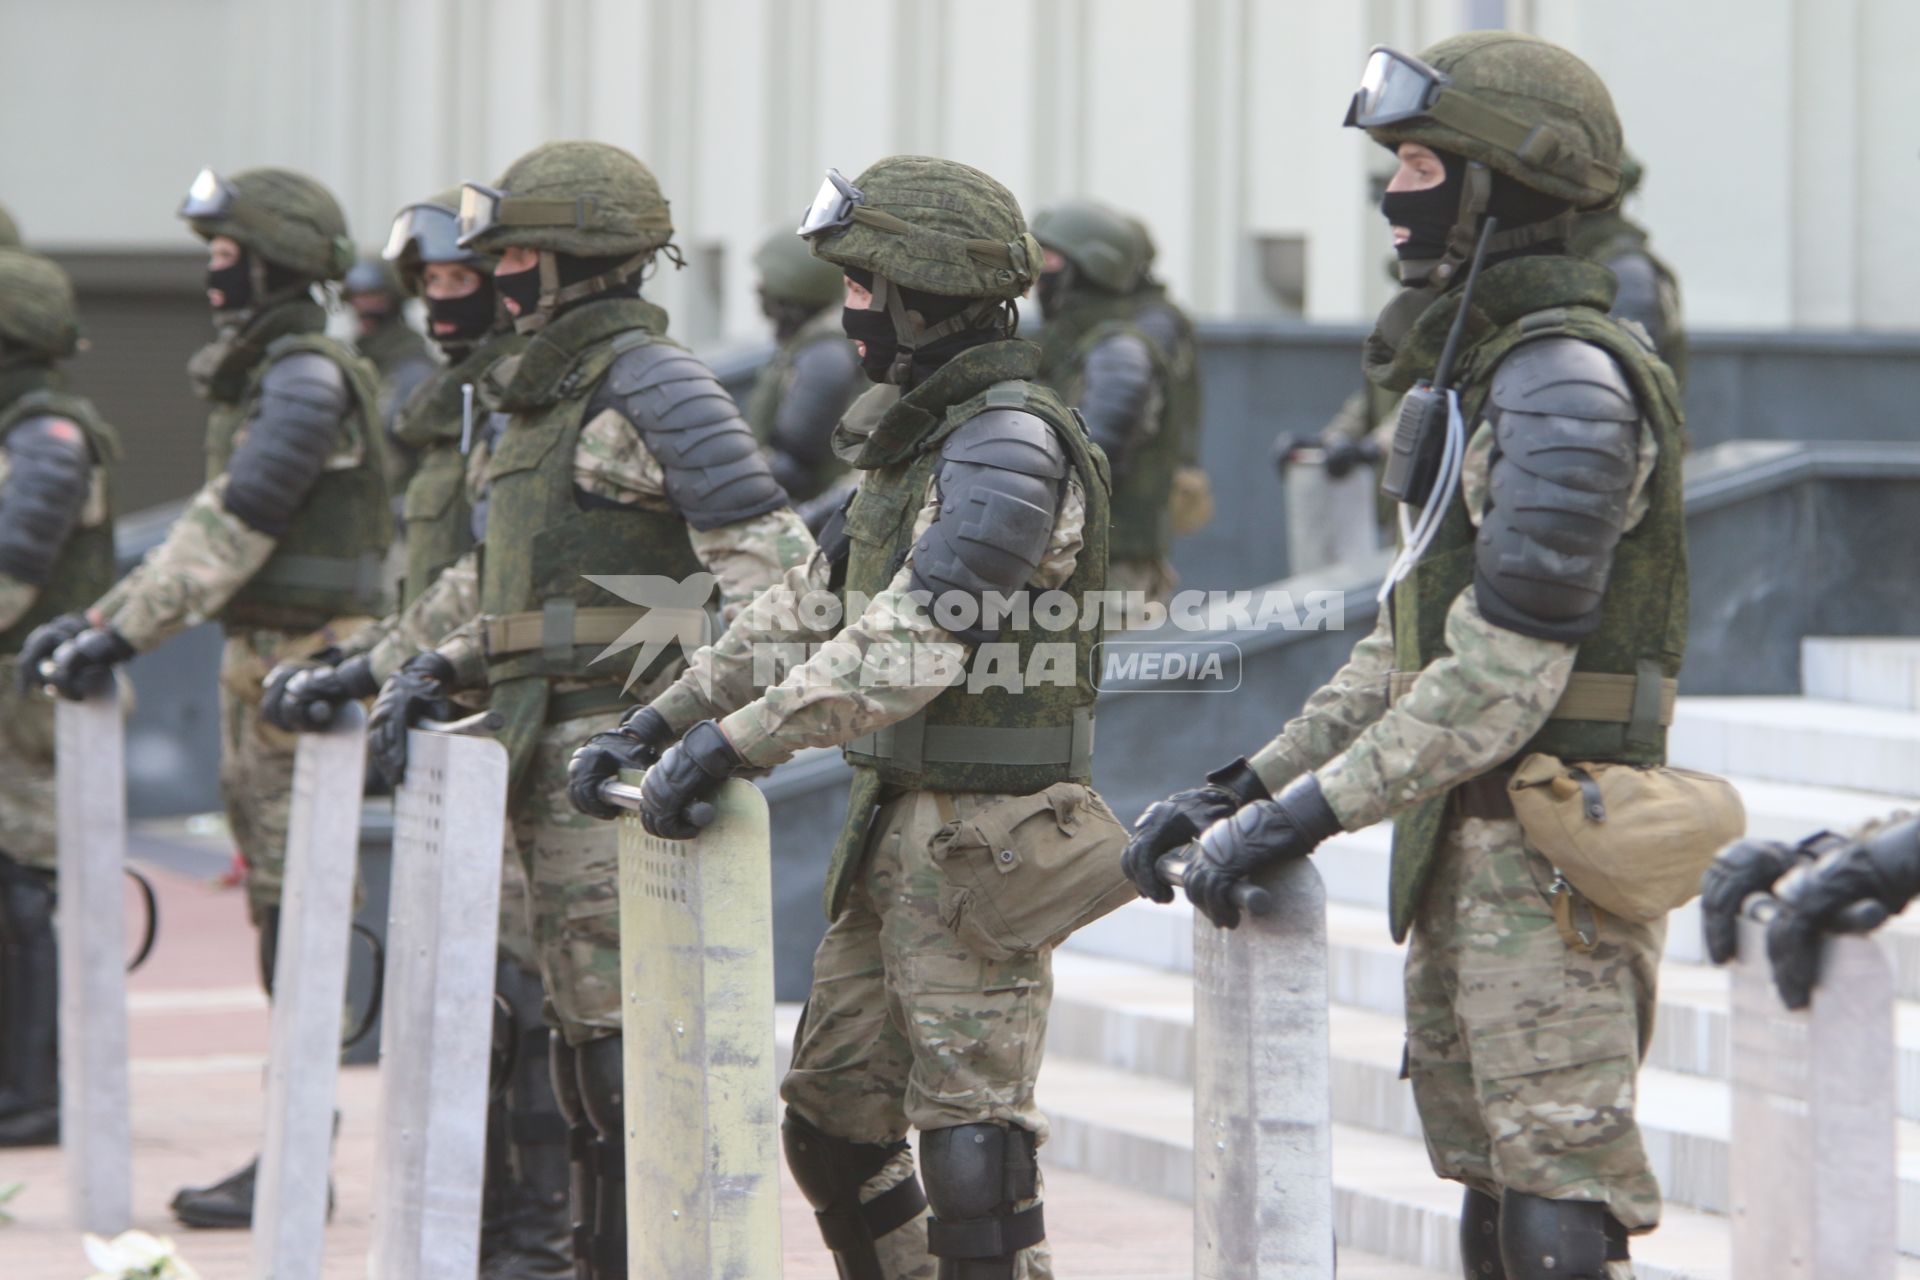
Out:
{"x": 1814, "y": 1188}
{"x": 449, "y": 820}
{"x": 1262, "y": 1111}
{"x": 95, "y": 1125}
{"x": 696, "y": 963}
{"x": 309, "y": 991}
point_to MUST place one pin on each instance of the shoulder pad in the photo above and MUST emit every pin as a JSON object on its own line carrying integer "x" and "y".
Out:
{"x": 307, "y": 375}
{"x": 1563, "y": 377}
{"x": 46, "y": 488}
{"x": 1638, "y": 295}
{"x": 48, "y": 433}
{"x": 1011, "y": 440}
{"x": 716, "y": 474}
{"x": 1161, "y": 325}
{"x": 826, "y": 356}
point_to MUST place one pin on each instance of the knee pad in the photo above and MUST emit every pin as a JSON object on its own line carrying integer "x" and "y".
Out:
{"x": 830, "y": 1172}
{"x": 1542, "y": 1239}
{"x": 603, "y": 1084}
{"x": 1480, "y": 1236}
{"x": 27, "y": 901}
{"x": 975, "y": 1175}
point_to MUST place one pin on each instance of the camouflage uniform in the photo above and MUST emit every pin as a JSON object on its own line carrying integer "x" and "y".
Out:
{"x": 916, "y": 1018}
{"x": 56, "y": 553}
{"x": 1543, "y": 581}
{"x": 814, "y": 374}
{"x": 1101, "y": 360}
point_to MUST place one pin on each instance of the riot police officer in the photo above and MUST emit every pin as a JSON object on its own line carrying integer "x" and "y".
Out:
{"x": 814, "y": 374}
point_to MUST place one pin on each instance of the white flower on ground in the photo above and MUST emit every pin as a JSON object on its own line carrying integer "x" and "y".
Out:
{"x": 135, "y": 1255}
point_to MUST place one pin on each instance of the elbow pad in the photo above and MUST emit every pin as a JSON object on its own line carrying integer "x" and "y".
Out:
{"x": 49, "y": 473}
{"x": 714, "y": 469}
{"x": 1000, "y": 481}
{"x": 1118, "y": 383}
{"x": 1566, "y": 449}
{"x": 303, "y": 400}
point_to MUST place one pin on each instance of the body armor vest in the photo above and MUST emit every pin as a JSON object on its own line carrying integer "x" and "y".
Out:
{"x": 327, "y": 564}
{"x": 769, "y": 389}
{"x": 1643, "y": 627}
{"x": 991, "y": 740}
{"x": 1182, "y": 363}
{"x": 85, "y": 567}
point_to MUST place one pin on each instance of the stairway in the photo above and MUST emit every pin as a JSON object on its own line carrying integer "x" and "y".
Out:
{"x": 1117, "y": 1084}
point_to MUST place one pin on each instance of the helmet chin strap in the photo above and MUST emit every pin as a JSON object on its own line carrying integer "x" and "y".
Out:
{"x": 554, "y": 295}
{"x": 1462, "y": 238}
{"x": 911, "y": 329}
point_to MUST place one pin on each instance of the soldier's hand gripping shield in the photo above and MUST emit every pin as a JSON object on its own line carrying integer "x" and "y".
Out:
{"x": 436, "y": 1037}
{"x": 696, "y": 959}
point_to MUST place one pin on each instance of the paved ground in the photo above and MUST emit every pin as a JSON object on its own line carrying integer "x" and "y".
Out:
{"x": 199, "y": 1032}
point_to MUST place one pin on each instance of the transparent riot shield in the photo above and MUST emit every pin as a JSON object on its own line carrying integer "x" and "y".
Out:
{"x": 91, "y": 798}
{"x": 1329, "y": 521}
{"x": 696, "y": 962}
{"x": 309, "y": 991}
{"x": 449, "y": 820}
{"x": 1813, "y": 1182}
{"x": 1262, "y": 1109}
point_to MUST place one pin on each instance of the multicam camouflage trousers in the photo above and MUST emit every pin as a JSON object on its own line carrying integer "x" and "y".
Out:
{"x": 905, "y": 1026}
{"x": 1524, "y": 1050}
{"x": 27, "y": 821}
{"x": 572, "y": 866}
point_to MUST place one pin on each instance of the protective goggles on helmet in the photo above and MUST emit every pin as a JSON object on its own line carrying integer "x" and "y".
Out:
{"x": 833, "y": 206}
{"x": 1395, "y": 86}
{"x": 211, "y": 196}
{"x": 484, "y": 209}
{"x": 425, "y": 233}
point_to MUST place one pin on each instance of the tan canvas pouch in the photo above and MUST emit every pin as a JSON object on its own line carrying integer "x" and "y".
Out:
{"x": 1026, "y": 871}
{"x": 1634, "y": 841}
{"x": 1189, "y": 502}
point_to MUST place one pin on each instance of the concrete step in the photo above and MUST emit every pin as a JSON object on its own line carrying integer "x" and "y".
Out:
{"x": 1873, "y": 671}
{"x": 1139, "y": 1134}
{"x": 1810, "y": 741}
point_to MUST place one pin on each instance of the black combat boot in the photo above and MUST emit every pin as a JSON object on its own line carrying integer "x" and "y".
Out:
{"x": 29, "y": 1009}
{"x": 527, "y": 1232}
{"x": 602, "y": 1084}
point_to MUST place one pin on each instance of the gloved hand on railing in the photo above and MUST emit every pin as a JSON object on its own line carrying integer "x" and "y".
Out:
{"x": 1179, "y": 820}
{"x": 638, "y": 743}
{"x": 1256, "y": 836}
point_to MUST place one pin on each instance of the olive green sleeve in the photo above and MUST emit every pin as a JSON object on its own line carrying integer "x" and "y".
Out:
{"x": 208, "y": 555}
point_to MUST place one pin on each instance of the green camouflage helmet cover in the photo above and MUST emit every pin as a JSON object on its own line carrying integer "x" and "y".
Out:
{"x": 789, "y": 273}
{"x": 287, "y": 218}
{"x": 938, "y": 226}
{"x": 589, "y": 199}
{"x": 9, "y": 229}
{"x": 37, "y": 310}
{"x": 1108, "y": 248}
{"x": 1524, "y": 107}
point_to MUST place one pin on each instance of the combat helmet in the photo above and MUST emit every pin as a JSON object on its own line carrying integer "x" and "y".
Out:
{"x": 283, "y": 217}
{"x": 1511, "y": 104}
{"x": 429, "y": 231}
{"x": 585, "y": 199}
{"x": 38, "y": 317}
{"x": 922, "y": 223}
{"x": 789, "y": 273}
{"x": 1106, "y": 248}
{"x": 9, "y": 230}
{"x": 370, "y": 275}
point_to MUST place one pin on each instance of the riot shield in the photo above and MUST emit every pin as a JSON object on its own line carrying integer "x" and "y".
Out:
{"x": 91, "y": 797}
{"x": 309, "y": 991}
{"x": 1329, "y": 521}
{"x": 1262, "y": 1109}
{"x": 696, "y": 963}
{"x": 1812, "y": 1175}
{"x": 449, "y": 821}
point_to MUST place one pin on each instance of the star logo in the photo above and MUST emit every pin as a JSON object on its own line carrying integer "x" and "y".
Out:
{"x": 671, "y": 609}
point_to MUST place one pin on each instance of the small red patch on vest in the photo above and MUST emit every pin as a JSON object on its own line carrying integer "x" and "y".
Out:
{"x": 64, "y": 431}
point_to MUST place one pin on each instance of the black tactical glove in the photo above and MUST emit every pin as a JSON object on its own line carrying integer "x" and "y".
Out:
{"x": 1852, "y": 888}
{"x": 417, "y": 691}
{"x": 1740, "y": 870}
{"x": 1254, "y": 837}
{"x": 672, "y": 793}
{"x": 309, "y": 697}
{"x": 1345, "y": 455}
{"x": 41, "y": 642}
{"x": 636, "y": 744}
{"x": 1180, "y": 818}
{"x": 83, "y": 666}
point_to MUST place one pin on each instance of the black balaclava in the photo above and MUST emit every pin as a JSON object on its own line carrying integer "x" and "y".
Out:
{"x": 1518, "y": 205}
{"x": 235, "y": 283}
{"x": 788, "y": 316}
{"x": 1429, "y": 213}
{"x": 1051, "y": 290}
{"x": 521, "y": 288}
{"x": 471, "y": 315}
{"x": 874, "y": 330}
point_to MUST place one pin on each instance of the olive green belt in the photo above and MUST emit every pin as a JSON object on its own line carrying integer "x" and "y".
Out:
{"x": 561, "y": 625}
{"x": 587, "y": 702}
{"x": 913, "y": 742}
{"x": 1589, "y": 695}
